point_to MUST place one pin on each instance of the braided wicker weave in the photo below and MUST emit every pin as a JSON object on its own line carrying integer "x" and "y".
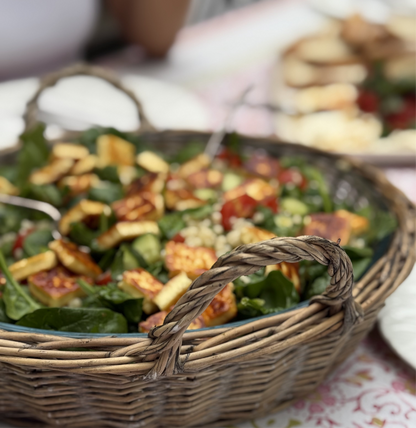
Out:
{"x": 216, "y": 376}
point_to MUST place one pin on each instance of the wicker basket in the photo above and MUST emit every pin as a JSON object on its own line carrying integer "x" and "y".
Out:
{"x": 216, "y": 376}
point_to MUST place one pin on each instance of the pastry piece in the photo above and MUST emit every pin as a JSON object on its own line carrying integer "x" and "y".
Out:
{"x": 7, "y": 188}
{"x": 140, "y": 206}
{"x": 172, "y": 291}
{"x": 358, "y": 223}
{"x": 57, "y": 287}
{"x": 206, "y": 178}
{"x": 69, "y": 151}
{"x": 251, "y": 235}
{"x": 84, "y": 211}
{"x": 32, "y": 265}
{"x": 52, "y": 172}
{"x": 112, "y": 150}
{"x": 329, "y": 226}
{"x": 126, "y": 231}
{"x": 84, "y": 165}
{"x": 182, "y": 199}
{"x": 78, "y": 184}
{"x": 222, "y": 309}
{"x": 140, "y": 283}
{"x": 191, "y": 260}
{"x": 256, "y": 188}
{"x": 152, "y": 162}
{"x": 159, "y": 317}
{"x": 75, "y": 260}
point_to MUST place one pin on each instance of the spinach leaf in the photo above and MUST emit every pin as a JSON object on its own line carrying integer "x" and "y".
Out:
{"x": 11, "y": 218}
{"x": 107, "y": 192}
{"x": 33, "y": 154}
{"x": 9, "y": 172}
{"x": 81, "y": 320}
{"x": 198, "y": 213}
{"x": 251, "y": 308}
{"x": 18, "y": 302}
{"x": 360, "y": 266}
{"x": 46, "y": 193}
{"x": 7, "y": 242}
{"x": 171, "y": 224}
{"x": 3, "y": 314}
{"x": 81, "y": 234}
{"x": 318, "y": 286}
{"x": 37, "y": 241}
{"x": 191, "y": 150}
{"x": 125, "y": 259}
{"x": 314, "y": 174}
{"x": 355, "y": 253}
{"x": 158, "y": 270}
{"x": 109, "y": 173}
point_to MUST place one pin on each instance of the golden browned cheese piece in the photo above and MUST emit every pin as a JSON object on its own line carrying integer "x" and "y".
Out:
{"x": 256, "y": 188}
{"x": 150, "y": 182}
{"x": 84, "y": 165}
{"x": 329, "y": 226}
{"x": 57, "y": 287}
{"x": 205, "y": 179}
{"x": 195, "y": 164}
{"x": 262, "y": 165}
{"x": 251, "y": 235}
{"x": 191, "y": 260}
{"x": 152, "y": 162}
{"x": 140, "y": 283}
{"x": 290, "y": 270}
{"x": 69, "y": 151}
{"x": 159, "y": 317}
{"x": 26, "y": 267}
{"x": 84, "y": 211}
{"x": 222, "y": 309}
{"x": 7, "y": 188}
{"x": 358, "y": 223}
{"x": 126, "y": 231}
{"x": 78, "y": 184}
{"x": 75, "y": 260}
{"x": 112, "y": 150}
{"x": 172, "y": 291}
{"x": 52, "y": 172}
{"x": 182, "y": 199}
{"x": 140, "y": 206}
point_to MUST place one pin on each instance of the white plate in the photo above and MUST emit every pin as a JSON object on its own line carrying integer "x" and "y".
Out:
{"x": 397, "y": 320}
{"x": 80, "y": 102}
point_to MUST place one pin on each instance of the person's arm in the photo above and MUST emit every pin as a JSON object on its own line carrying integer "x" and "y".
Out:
{"x": 152, "y": 24}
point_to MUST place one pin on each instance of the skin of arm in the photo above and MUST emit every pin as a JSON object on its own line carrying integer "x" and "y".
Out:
{"x": 152, "y": 24}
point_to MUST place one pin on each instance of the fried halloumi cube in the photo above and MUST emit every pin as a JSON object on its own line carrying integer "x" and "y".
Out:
{"x": 84, "y": 165}
{"x": 78, "y": 184}
{"x": 256, "y": 188}
{"x": 182, "y": 199}
{"x": 204, "y": 179}
{"x": 222, "y": 309}
{"x": 172, "y": 291}
{"x": 52, "y": 172}
{"x": 140, "y": 206}
{"x": 251, "y": 235}
{"x": 150, "y": 182}
{"x": 57, "y": 287}
{"x": 140, "y": 283}
{"x": 262, "y": 165}
{"x": 159, "y": 317}
{"x": 152, "y": 162}
{"x": 32, "y": 265}
{"x": 7, "y": 188}
{"x": 112, "y": 150}
{"x": 191, "y": 260}
{"x": 329, "y": 226}
{"x": 83, "y": 211}
{"x": 75, "y": 260}
{"x": 290, "y": 270}
{"x": 195, "y": 164}
{"x": 126, "y": 231}
{"x": 127, "y": 174}
{"x": 358, "y": 223}
{"x": 69, "y": 151}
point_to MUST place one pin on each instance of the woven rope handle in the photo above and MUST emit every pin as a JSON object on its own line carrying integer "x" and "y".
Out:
{"x": 246, "y": 260}
{"x": 31, "y": 113}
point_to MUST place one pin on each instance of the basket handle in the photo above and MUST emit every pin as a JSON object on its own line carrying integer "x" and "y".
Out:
{"x": 32, "y": 108}
{"x": 245, "y": 260}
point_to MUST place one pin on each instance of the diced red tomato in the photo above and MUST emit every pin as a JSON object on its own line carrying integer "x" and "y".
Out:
{"x": 178, "y": 238}
{"x": 104, "y": 278}
{"x": 405, "y": 117}
{"x": 20, "y": 239}
{"x": 368, "y": 101}
{"x": 293, "y": 176}
{"x": 241, "y": 207}
{"x": 233, "y": 159}
{"x": 270, "y": 202}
